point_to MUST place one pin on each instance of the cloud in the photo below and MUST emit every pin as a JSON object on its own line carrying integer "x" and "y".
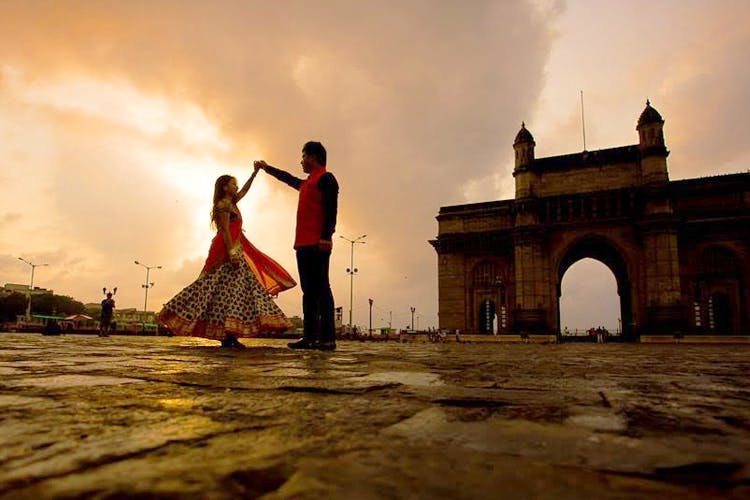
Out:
{"x": 413, "y": 100}
{"x": 9, "y": 218}
{"x": 703, "y": 87}
{"x": 118, "y": 116}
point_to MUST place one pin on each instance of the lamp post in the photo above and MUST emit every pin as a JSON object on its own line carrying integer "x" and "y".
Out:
{"x": 352, "y": 271}
{"x": 146, "y": 286}
{"x": 370, "y": 301}
{"x": 31, "y": 285}
{"x": 412, "y": 317}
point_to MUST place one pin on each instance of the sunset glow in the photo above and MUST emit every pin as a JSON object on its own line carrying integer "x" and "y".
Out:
{"x": 117, "y": 117}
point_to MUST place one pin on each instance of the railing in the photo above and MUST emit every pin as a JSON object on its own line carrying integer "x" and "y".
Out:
{"x": 617, "y": 204}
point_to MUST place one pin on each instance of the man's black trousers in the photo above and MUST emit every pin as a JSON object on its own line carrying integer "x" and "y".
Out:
{"x": 317, "y": 299}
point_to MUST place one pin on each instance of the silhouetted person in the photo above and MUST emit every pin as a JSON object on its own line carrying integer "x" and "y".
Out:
{"x": 600, "y": 335}
{"x": 316, "y": 223}
{"x": 52, "y": 328}
{"x": 105, "y": 320}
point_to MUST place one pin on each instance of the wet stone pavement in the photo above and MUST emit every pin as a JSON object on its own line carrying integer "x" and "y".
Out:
{"x": 144, "y": 417}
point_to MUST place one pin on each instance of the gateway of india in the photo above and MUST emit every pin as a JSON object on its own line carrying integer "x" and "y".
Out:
{"x": 679, "y": 250}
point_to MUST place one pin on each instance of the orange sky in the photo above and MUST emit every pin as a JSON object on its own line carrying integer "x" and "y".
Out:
{"x": 116, "y": 117}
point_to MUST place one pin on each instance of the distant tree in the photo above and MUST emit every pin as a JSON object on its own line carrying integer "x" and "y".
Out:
{"x": 70, "y": 305}
{"x": 11, "y": 306}
{"x": 56, "y": 304}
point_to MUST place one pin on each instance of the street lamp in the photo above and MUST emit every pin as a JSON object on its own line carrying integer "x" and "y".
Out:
{"x": 31, "y": 285}
{"x": 146, "y": 286}
{"x": 352, "y": 271}
{"x": 370, "y": 300}
{"x": 412, "y": 317}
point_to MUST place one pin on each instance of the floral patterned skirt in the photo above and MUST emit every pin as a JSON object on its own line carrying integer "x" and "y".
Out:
{"x": 226, "y": 299}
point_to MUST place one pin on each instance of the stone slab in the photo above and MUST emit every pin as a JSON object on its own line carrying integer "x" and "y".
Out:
{"x": 84, "y": 417}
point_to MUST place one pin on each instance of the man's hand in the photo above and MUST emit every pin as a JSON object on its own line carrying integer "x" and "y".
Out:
{"x": 260, "y": 165}
{"x": 325, "y": 245}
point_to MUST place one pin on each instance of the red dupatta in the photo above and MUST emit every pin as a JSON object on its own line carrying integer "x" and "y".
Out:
{"x": 271, "y": 275}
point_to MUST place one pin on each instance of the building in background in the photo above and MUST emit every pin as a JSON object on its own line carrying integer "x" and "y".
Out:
{"x": 679, "y": 250}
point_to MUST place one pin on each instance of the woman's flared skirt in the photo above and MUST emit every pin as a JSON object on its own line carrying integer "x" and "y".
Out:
{"x": 226, "y": 299}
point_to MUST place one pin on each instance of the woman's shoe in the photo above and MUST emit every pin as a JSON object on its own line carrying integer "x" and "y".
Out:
{"x": 230, "y": 341}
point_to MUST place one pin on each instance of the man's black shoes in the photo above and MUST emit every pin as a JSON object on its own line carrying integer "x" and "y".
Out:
{"x": 301, "y": 344}
{"x": 320, "y": 346}
{"x": 326, "y": 346}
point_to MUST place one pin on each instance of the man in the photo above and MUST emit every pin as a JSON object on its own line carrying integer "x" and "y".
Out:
{"x": 316, "y": 223}
{"x": 108, "y": 308}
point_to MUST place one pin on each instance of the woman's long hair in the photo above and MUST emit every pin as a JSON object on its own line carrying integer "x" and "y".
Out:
{"x": 219, "y": 194}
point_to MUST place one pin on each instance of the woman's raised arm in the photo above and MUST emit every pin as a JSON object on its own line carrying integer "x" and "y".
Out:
{"x": 242, "y": 192}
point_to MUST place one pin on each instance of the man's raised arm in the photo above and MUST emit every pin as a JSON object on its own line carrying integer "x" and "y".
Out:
{"x": 281, "y": 175}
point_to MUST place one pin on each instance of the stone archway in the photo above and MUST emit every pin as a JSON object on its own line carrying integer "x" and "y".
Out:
{"x": 649, "y": 232}
{"x": 602, "y": 250}
{"x": 718, "y": 291}
{"x": 721, "y": 312}
{"x": 488, "y": 298}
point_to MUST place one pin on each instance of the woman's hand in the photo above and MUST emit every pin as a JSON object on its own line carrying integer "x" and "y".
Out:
{"x": 235, "y": 256}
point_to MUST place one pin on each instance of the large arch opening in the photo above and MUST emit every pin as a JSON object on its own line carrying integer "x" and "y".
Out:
{"x": 599, "y": 284}
{"x": 588, "y": 299}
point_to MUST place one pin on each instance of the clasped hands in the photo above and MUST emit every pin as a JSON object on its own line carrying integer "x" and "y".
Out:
{"x": 324, "y": 245}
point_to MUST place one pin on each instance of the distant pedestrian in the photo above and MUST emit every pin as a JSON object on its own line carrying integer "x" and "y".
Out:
{"x": 108, "y": 311}
{"x": 52, "y": 328}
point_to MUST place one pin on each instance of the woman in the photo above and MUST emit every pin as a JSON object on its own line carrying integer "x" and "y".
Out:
{"x": 232, "y": 296}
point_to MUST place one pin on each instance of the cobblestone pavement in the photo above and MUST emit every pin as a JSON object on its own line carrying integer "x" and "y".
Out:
{"x": 84, "y": 416}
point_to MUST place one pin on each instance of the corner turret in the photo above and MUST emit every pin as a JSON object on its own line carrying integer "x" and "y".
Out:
{"x": 651, "y": 143}
{"x": 523, "y": 145}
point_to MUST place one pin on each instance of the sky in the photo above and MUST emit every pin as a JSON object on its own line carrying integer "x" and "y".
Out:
{"x": 117, "y": 117}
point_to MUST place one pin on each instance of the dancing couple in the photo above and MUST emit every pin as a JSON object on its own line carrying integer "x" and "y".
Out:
{"x": 233, "y": 295}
